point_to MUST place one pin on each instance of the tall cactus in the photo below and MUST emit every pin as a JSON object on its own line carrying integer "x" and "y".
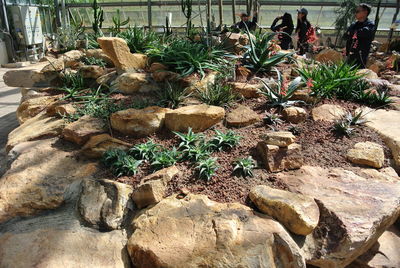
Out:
{"x": 116, "y": 29}
{"x": 98, "y": 18}
{"x": 186, "y": 6}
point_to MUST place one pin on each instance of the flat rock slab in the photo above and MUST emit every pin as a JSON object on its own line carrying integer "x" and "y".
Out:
{"x": 58, "y": 240}
{"x": 37, "y": 179}
{"x": 35, "y": 128}
{"x": 355, "y": 211}
{"x": 81, "y": 130}
{"x": 197, "y": 232}
{"x": 30, "y": 76}
{"x": 387, "y": 124}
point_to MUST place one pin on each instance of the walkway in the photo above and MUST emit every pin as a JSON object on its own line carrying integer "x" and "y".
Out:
{"x": 9, "y": 101}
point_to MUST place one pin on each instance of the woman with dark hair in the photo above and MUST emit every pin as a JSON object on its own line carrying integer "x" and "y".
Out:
{"x": 302, "y": 30}
{"x": 286, "y": 27}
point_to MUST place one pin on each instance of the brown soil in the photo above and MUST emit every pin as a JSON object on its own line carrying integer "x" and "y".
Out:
{"x": 321, "y": 147}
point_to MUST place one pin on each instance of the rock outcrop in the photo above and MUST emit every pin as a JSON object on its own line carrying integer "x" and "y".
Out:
{"x": 197, "y": 232}
{"x": 33, "y": 106}
{"x": 355, "y": 211}
{"x": 297, "y": 212}
{"x": 81, "y": 130}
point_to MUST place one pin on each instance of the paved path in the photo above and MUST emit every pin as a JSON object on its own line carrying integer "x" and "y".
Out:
{"x": 9, "y": 101}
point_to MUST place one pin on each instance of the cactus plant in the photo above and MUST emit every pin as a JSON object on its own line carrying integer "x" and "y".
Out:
{"x": 98, "y": 18}
{"x": 116, "y": 29}
{"x": 186, "y": 6}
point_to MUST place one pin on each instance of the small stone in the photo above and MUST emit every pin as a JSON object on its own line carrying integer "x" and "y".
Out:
{"x": 368, "y": 74}
{"x": 299, "y": 213}
{"x": 329, "y": 56}
{"x": 131, "y": 83}
{"x": 152, "y": 188}
{"x": 60, "y": 108}
{"x": 294, "y": 115}
{"x": 198, "y": 117}
{"x": 107, "y": 78}
{"x": 246, "y": 90}
{"x": 92, "y": 71}
{"x": 139, "y": 122}
{"x": 277, "y": 158}
{"x": 242, "y": 116}
{"x": 279, "y": 138}
{"x": 156, "y": 66}
{"x": 367, "y": 153}
{"x": 80, "y": 131}
{"x": 98, "y": 144}
{"x": 328, "y": 112}
{"x": 161, "y": 76}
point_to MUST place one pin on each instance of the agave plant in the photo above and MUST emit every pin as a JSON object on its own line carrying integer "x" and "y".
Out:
{"x": 244, "y": 166}
{"x": 261, "y": 55}
{"x": 280, "y": 94}
{"x": 207, "y": 168}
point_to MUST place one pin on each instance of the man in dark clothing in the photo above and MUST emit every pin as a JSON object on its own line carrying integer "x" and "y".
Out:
{"x": 244, "y": 20}
{"x": 359, "y": 37}
{"x": 286, "y": 27}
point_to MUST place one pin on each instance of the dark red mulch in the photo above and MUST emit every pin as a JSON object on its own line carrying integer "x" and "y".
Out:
{"x": 321, "y": 147}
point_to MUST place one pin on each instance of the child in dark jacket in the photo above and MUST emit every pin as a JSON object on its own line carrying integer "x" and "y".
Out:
{"x": 286, "y": 27}
{"x": 359, "y": 37}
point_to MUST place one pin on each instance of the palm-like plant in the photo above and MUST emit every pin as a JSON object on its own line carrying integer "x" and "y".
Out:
{"x": 280, "y": 94}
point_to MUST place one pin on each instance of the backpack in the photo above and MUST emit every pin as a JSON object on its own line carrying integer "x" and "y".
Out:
{"x": 311, "y": 36}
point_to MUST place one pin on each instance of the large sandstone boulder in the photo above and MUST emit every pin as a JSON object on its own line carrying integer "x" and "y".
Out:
{"x": 384, "y": 253}
{"x": 35, "y": 128}
{"x": 37, "y": 179}
{"x": 152, "y": 188}
{"x": 97, "y": 145}
{"x": 299, "y": 213}
{"x": 33, "y": 106}
{"x": 329, "y": 56}
{"x": 198, "y": 117}
{"x": 81, "y": 130}
{"x": 131, "y": 83}
{"x": 137, "y": 122}
{"x": 355, "y": 211}
{"x": 118, "y": 50}
{"x": 197, "y": 232}
{"x": 30, "y": 76}
{"x": 387, "y": 124}
{"x": 242, "y": 116}
{"x": 328, "y": 112}
{"x": 104, "y": 203}
{"x": 58, "y": 240}
{"x": 367, "y": 153}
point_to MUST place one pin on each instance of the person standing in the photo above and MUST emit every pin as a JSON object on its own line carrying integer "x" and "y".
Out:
{"x": 286, "y": 27}
{"x": 244, "y": 21}
{"x": 359, "y": 37}
{"x": 302, "y": 29}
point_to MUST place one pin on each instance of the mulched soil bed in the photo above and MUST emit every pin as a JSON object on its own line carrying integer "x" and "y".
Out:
{"x": 321, "y": 147}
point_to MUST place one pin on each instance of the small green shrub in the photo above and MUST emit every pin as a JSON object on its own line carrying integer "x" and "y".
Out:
{"x": 343, "y": 127}
{"x": 333, "y": 80}
{"x": 139, "y": 40}
{"x": 223, "y": 141}
{"x": 207, "y": 168}
{"x": 172, "y": 95}
{"x": 273, "y": 119}
{"x": 244, "y": 166}
{"x": 120, "y": 163}
{"x": 196, "y": 152}
{"x": 378, "y": 98}
{"x": 165, "y": 158}
{"x": 279, "y": 95}
{"x": 217, "y": 94}
{"x": 186, "y": 57}
{"x": 145, "y": 151}
{"x": 189, "y": 139}
{"x": 261, "y": 56}
{"x": 94, "y": 61}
